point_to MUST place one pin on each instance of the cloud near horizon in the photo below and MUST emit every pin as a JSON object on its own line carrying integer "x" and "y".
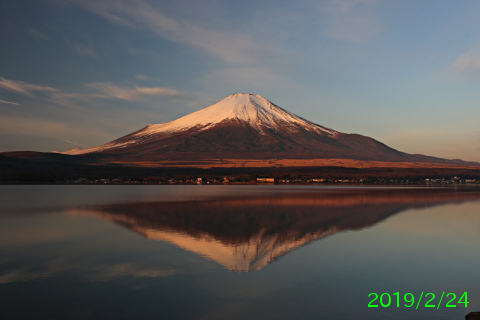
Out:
{"x": 43, "y": 127}
{"x": 83, "y": 114}
{"x": 466, "y": 66}
{"x": 76, "y": 143}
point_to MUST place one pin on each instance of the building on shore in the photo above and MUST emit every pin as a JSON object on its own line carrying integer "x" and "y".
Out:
{"x": 266, "y": 180}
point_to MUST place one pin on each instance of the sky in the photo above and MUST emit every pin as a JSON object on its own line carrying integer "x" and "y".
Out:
{"x": 80, "y": 73}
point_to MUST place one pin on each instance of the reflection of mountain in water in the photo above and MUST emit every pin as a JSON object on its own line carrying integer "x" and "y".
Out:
{"x": 249, "y": 233}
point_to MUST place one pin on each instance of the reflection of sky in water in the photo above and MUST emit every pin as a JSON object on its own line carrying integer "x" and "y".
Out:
{"x": 52, "y": 196}
{"x": 73, "y": 262}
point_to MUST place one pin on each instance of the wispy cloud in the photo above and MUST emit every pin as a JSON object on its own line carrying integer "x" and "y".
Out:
{"x": 86, "y": 114}
{"x": 8, "y": 102}
{"x": 76, "y": 143}
{"x": 23, "y": 88}
{"x": 37, "y": 34}
{"x": 98, "y": 90}
{"x": 110, "y": 91}
{"x": 84, "y": 50}
{"x": 229, "y": 46}
{"x": 350, "y": 20}
{"x": 466, "y": 66}
{"x": 144, "y": 77}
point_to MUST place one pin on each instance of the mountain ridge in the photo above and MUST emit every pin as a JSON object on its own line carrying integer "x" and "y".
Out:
{"x": 246, "y": 108}
{"x": 245, "y": 126}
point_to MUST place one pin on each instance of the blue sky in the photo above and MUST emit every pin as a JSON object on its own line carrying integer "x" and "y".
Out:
{"x": 79, "y": 73}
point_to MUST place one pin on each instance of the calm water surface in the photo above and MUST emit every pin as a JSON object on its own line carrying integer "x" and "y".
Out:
{"x": 236, "y": 252}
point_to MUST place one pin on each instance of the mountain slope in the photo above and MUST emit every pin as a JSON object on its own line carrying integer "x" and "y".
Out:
{"x": 251, "y": 110}
{"x": 244, "y": 126}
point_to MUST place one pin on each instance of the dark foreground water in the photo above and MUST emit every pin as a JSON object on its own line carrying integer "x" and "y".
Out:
{"x": 238, "y": 252}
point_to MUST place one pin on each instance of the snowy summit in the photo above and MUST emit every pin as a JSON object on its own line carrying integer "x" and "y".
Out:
{"x": 253, "y": 109}
{"x": 245, "y": 108}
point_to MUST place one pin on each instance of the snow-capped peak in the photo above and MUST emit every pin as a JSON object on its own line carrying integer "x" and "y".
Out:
{"x": 251, "y": 109}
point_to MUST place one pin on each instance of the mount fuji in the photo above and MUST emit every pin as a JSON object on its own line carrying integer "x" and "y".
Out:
{"x": 243, "y": 128}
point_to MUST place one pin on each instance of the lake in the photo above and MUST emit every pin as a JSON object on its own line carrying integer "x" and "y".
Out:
{"x": 239, "y": 252}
